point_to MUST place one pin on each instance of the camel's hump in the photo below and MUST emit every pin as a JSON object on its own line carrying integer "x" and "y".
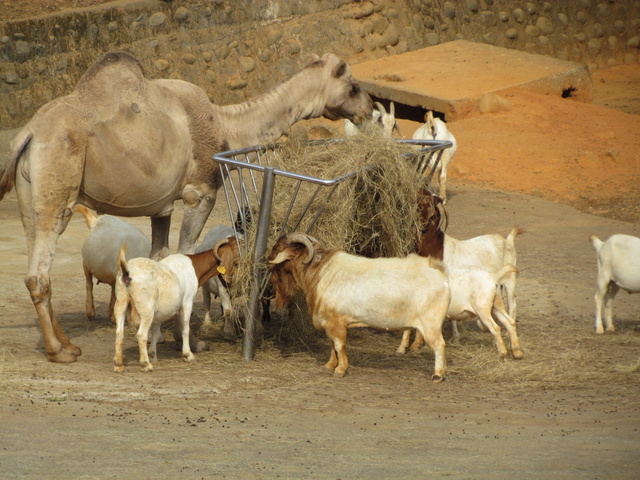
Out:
{"x": 114, "y": 70}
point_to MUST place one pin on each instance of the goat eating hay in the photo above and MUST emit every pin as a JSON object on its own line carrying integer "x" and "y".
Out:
{"x": 374, "y": 214}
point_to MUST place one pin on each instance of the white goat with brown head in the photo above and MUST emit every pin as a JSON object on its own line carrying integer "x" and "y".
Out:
{"x": 157, "y": 291}
{"x": 343, "y": 291}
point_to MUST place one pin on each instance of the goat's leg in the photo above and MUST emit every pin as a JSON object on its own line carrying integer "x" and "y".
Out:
{"x": 404, "y": 343}
{"x": 112, "y": 302}
{"x": 612, "y": 291}
{"x": 185, "y": 316}
{"x": 339, "y": 362}
{"x": 600, "y": 297}
{"x": 455, "y": 333}
{"x": 89, "y": 305}
{"x": 484, "y": 314}
{"x": 119, "y": 312}
{"x": 206, "y": 303}
{"x": 153, "y": 343}
{"x": 228, "y": 330}
{"x": 433, "y": 336}
{"x": 146, "y": 321}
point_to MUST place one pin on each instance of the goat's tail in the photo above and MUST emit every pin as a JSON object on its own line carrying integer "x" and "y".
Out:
{"x": 504, "y": 272}
{"x": 596, "y": 242}
{"x": 90, "y": 217}
{"x": 511, "y": 238}
{"x": 8, "y": 172}
{"x": 122, "y": 265}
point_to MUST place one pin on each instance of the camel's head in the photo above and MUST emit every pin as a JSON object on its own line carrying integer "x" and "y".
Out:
{"x": 343, "y": 96}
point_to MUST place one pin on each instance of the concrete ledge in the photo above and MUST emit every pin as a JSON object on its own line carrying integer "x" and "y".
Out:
{"x": 451, "y": 77}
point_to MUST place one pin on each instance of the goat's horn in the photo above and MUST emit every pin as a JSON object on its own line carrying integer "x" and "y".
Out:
{"x": 392, "y": 109}
{"x": 380, "y": 108}
{"x": 306, "y": 240}
{"x": 222, "y": 242}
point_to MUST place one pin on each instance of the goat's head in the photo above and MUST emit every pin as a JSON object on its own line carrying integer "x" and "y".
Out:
{"x": 343, "y": 96}
{"x": 431, "y": 241}
{"x": 387, "y": 120}
{"x": 227, "y": 253}
{"x": 290, "y": 252}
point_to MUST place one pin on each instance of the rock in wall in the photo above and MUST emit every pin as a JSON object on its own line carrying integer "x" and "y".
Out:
{"x": 235, "y": 49}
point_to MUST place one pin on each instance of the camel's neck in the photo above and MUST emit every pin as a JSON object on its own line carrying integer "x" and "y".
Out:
{"x": 265, "y": 118}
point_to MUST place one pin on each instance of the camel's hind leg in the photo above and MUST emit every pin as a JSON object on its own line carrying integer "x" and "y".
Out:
{"x": 46, "y": 201}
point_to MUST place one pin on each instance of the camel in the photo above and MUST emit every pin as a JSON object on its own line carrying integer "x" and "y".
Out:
{"x": 129, "y": 146}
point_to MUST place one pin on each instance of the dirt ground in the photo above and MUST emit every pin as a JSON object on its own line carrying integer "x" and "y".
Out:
{"x": 570, "y": 409}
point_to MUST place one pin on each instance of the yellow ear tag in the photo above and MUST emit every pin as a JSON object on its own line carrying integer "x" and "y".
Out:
{"x": 222, "y": 270}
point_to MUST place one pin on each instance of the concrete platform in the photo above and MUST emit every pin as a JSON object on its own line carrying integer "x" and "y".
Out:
{"x": 451, "y": 77}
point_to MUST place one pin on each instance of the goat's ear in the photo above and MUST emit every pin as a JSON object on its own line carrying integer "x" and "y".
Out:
{"x": 283, "y": 256}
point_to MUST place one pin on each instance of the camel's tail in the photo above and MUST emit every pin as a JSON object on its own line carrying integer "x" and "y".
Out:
{"x": 90, "y": 216}
{"x": 8, "y": 172}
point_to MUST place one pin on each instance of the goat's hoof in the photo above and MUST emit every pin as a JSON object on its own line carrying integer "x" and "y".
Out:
{"x": 401, "y": 351}
{"x": 202, "y": 346}
{"x": 118, "y": 368}
{"x": 338, "y": 374}
{"x": 517, "y": 354}
{"x": 188, "y": 358}
{"x": 146, "y": 367}
{"x": 435, "y": 378}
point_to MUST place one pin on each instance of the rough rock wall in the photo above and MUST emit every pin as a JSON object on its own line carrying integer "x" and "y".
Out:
{"x": 235, "y": 49}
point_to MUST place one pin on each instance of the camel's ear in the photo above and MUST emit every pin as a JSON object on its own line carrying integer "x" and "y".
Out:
{"x": 340, "y": 69}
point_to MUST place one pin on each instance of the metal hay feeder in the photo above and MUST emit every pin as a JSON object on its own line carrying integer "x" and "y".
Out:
{"x": 249, "y": 184}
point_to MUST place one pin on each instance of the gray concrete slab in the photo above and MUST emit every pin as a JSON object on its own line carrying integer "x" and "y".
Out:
{"x": 451, "y": 77}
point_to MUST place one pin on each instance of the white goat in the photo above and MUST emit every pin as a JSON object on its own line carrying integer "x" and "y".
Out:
{"x": 488, "y": 252}
{"x": 100, "y": 252}
{"x": 618, "y": 268}
{"x": 214, "y": 285}
{"x": 475, "y": 293}
{"x": 436, "y": 129}
{"x": 379, "y": 117}
{"x": 344, "y": 291}
{"x": 156, "y": 291}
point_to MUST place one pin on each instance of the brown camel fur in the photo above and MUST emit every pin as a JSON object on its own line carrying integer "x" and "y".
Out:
{"x": 128, "y": 146}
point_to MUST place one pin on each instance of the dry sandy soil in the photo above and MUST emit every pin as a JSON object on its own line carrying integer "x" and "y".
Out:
{"x": 570, "y": 409}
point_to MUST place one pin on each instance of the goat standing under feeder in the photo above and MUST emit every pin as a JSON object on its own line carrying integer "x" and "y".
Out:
{"x": 157, "y": 291}
{"x": 343, "y": 291}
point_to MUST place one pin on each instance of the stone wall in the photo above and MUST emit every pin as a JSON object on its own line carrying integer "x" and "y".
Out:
{"x": 235, "y": 49}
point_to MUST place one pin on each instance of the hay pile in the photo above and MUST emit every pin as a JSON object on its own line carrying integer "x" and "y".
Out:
{"x": 372, "y": 213}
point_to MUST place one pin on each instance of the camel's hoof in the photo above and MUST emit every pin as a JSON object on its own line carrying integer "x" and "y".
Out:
{"x": 72, "y": 349}
{"x": 63, "y": 356}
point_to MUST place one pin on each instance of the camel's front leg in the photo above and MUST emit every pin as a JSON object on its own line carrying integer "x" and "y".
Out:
{"x": 160, "y": 228}
{"x": 193, "y": 222}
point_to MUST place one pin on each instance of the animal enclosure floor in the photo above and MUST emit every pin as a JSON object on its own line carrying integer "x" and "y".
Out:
{"x": 451, "y": 77}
